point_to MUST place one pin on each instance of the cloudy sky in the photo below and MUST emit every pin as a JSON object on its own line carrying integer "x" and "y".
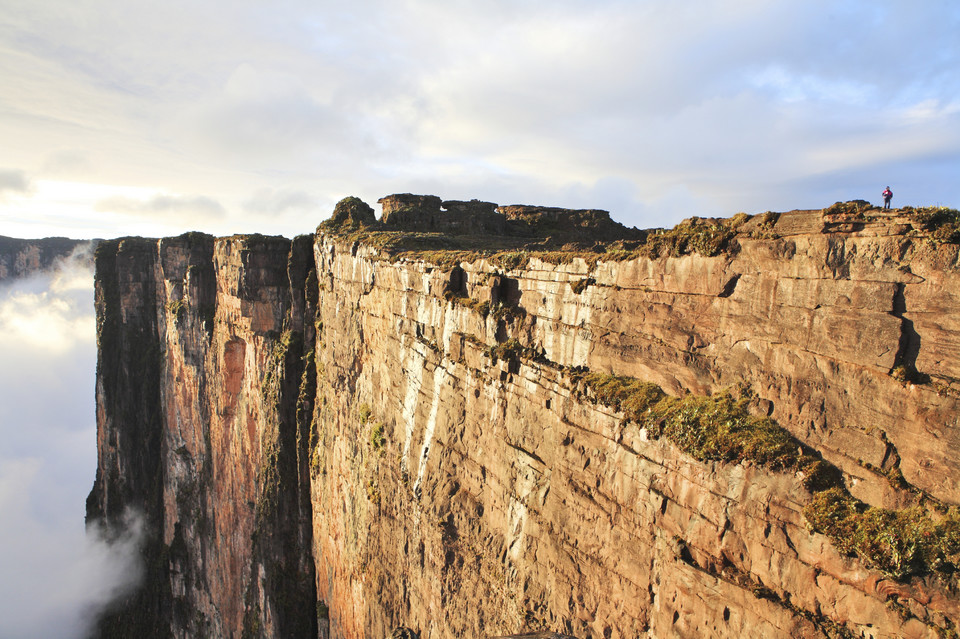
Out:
{"x": 130, "y": 117}
{"x": 55, "y": 574}
{"x": 126, "y": 117}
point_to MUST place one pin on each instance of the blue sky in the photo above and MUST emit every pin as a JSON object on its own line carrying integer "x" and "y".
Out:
{"x": 154, "y": 118}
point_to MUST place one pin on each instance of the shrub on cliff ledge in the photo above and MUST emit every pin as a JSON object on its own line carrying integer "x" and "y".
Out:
{"x": 511, "y": 350}
{"x": 721, "y": 428}
{"x": 717, "y": 428}
{"x": 627, "y": 394}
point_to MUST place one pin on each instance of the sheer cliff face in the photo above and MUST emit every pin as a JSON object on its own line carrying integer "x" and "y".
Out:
{"x": 201, "y": 355}
{"x": 321, "y": 442}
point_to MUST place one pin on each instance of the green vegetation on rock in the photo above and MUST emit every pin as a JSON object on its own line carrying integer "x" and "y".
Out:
{"x": 177, "y": 309}
{"x": 899, "y": 543}
{"x": 514, "y": 249}
{"x": 709, "y": 428}
{"x": 268, "y": 472}
{"x": 720, "y": 428}
{"x": 480, "y": 307}
{"x": 696, "y": 235}
{"x": 855, "y": 208}
{"x": 511, "y": 350}
{"x": 350, "y": 212}
{"x": 363, "y": 413}
{"x": 580, "y": 286}
{"x": 943, "y": 223}
{"x": 377, "y": 438}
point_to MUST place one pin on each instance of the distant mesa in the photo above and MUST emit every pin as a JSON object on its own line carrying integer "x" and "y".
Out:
{"x": 22, "y": 258}
{"x": 427, "y": 213}
{"x": 431, "y": 214}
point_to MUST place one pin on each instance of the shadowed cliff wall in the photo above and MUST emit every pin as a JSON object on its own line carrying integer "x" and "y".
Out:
{"x": 201, "y": 347}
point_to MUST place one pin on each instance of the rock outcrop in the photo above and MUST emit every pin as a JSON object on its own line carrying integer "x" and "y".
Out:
{"x": 337, "y": 437}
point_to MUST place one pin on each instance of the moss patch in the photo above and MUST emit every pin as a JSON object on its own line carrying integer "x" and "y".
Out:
{"x": 714, "y": 428}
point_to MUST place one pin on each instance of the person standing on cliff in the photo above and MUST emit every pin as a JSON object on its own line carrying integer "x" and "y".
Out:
{"x": 887, "y": 196}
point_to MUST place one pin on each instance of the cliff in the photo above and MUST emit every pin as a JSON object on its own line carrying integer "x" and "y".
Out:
{"x": 733, "y": 428}
{"x": 20, "y": 258}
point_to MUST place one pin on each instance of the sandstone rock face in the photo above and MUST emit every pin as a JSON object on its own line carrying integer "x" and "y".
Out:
{"x": 323, "y": 444}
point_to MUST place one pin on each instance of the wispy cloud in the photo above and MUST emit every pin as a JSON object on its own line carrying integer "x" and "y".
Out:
{"x": 12, "y": 181}
{"x": 167, "y": 205}
{"x": 57, "y": 577}
{"x": 282, "y": 202}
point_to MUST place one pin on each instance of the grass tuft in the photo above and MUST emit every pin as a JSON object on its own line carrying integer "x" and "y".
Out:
{"x": 377, "y": 438}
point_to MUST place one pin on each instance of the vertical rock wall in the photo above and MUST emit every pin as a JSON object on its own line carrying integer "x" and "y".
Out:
{"x": 129, "y": 424}
{"x": 328, "y": 442}
{"x": 201, "y": 360}
{"x": 465, "y": 495}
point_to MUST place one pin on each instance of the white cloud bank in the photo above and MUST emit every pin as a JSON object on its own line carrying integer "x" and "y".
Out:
{"x": 56, "y": 573}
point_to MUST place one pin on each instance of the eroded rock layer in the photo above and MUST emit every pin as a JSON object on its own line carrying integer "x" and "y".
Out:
{"x": 327, "y": 440}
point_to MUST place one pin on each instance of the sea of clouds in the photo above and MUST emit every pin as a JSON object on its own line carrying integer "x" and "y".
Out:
{"x": 57, "y": 573}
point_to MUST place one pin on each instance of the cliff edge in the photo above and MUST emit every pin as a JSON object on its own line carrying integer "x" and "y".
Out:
{"x": 467, "y": 420}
